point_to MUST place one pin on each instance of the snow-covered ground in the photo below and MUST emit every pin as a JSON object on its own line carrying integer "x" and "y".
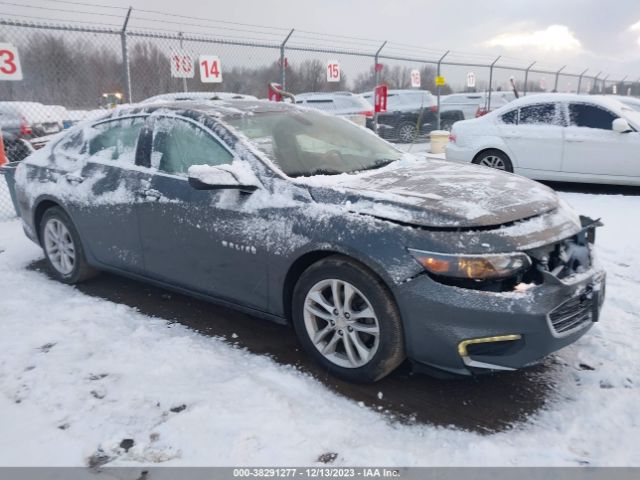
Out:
{"x": 79, "y": 374}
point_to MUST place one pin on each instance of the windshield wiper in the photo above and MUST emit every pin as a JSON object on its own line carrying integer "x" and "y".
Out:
{"x": 379, "y": 164}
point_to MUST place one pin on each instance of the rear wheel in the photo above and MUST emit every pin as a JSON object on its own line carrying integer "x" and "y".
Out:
{"x": 347, "y": 320}
{"x": 62, "y": 247}
{"x": 494, "y": 159}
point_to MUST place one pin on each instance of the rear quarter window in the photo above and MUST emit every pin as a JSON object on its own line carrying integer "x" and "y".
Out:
{"x": 510, "y": 118}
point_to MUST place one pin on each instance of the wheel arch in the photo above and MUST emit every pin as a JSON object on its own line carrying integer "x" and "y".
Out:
{"x": 40, "y": 207}
{"x": 497, "y": 149}
{"x": 309, "y": 257}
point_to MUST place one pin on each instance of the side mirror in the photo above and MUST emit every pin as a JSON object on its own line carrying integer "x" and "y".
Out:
{"x": 208, "y": 177}
{"x": 621, "y": 125}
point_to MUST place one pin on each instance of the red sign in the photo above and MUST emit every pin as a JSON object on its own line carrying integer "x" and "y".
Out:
{"x": 273, "y": 95}
{"x": 380, "y": 98}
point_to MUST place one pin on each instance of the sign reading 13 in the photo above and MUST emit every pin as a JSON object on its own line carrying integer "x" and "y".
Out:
{"x": 10, "y": 68}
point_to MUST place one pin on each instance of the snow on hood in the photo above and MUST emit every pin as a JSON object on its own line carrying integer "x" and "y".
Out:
{"x": 435, "y": 193}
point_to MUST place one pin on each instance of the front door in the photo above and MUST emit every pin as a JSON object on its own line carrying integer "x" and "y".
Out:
{"x": 593, "y": 148}
{"x": 196, "y": 239}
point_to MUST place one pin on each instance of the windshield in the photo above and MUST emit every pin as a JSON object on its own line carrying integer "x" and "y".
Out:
{"x": 305, "y": 143}
{"x": 632, "y": 105}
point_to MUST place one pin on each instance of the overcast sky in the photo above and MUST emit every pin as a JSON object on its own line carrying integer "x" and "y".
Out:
{"x": 582, "y": 34}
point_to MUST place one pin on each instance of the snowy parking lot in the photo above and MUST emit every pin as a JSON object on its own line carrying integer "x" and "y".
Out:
{"x": 89, "y": 378}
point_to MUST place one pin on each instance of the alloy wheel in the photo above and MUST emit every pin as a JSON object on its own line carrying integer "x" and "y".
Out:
{"x": 407, "y": 133}
{"x": 341, "y": 323}
{"x": 493, "y": 161}
{"x": 59, "y": 246}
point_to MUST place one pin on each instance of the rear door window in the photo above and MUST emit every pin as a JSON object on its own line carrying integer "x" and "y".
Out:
{"x": 590, "y": 116}
{"x": 116, "y": 140}
{"x": 178, "y": 144}
{"x": 539, "y": 114}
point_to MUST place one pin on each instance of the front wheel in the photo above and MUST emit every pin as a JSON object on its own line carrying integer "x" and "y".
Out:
{"x": 347, "y": 320}
{"x": 494, "y": 159}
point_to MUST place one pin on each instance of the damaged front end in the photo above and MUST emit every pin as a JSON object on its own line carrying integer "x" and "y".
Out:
{"x": 489, "y": 311}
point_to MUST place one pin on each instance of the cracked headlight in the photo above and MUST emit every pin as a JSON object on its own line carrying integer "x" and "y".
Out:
{"x": 473, "y": 266}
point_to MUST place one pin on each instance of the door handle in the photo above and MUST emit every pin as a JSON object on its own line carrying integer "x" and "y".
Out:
{"x": 150, "y": 194}
{"x": 74, "y": 179}
{"x": 574, "y": 140}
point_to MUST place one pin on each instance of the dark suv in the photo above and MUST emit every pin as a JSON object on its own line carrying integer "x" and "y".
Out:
{"x": 411, "y": 114}
{"x": 306, "y": 219}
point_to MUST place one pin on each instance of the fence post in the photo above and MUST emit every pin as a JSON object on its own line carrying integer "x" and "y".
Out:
{"x": 125, "y": 57}
{"x": 580, "y": 81}
{"x": 438, "y": 88}
{"x": 621, "y": 83}
{"x": 184, "y": 80}
{"x": 283, "y": 66}
{"x": 526, "y": 78}
{"x": 491, "y": 82}
{"x": 604, "y": 84}
{"x": 376, "y": 76}
{"x": 595, "y": 82}
{"x": 555, "y": 84}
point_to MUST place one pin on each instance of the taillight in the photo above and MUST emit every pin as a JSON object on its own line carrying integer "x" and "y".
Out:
{"x": 368, "y": 114}
{"x": 434, "y": 108}
{"x": 481, "y": 111}
{"x": 25, "y": 128}
{"x": 452, "y": 138}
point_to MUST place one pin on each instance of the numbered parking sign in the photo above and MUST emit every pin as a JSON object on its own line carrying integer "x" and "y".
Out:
{"x": 210, "y": 69}
{"x": 471, "y": 80}
{"x": 181, "y": 64}
{"x": 333, "y": 71}
{"x": 415, "y": 78}
{"x": 10, "y": 68}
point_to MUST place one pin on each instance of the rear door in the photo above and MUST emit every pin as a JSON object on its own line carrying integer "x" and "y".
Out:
{"x": 197, "y": 239}
{"x": 535, "y": 140}
{"x": 102, "y": 191}
{"x": 593, "y": 148}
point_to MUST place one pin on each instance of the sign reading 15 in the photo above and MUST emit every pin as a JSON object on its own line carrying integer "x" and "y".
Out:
{"x": 333, "y": 71}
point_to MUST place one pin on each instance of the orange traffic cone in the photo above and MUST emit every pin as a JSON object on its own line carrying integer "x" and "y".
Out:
{"x": 3, "y": 156}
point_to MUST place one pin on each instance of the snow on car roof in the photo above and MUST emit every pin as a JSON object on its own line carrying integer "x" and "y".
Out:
{"x": 218, "y": 109}
{"x": 189, "y": 96}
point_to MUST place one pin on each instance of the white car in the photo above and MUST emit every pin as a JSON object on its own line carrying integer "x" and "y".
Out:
{"x": 560, "y": 137}
{"x": 343, "y": 104}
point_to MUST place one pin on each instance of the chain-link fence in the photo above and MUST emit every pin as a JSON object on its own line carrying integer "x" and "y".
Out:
{"x": 52, "y": 76}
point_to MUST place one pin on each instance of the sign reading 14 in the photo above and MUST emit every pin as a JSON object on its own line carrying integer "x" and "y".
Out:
{"x": 210, "y": 69}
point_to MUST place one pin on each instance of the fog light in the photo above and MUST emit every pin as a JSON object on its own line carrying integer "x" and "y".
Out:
{"x": 462, "y": 346}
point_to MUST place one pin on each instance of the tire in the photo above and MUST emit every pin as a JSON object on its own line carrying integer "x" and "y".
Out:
{"x": 406, "y": 132}
{"x": 365, "y": 342}
{"x": 58, "y": 234}
{"x": 494, "y": 159}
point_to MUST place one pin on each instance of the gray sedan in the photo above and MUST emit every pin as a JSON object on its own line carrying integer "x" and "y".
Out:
{"x": 373, "y": 256}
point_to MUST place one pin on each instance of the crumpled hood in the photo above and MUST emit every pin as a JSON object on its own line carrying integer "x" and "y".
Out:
{"x": 436, "y": 193}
